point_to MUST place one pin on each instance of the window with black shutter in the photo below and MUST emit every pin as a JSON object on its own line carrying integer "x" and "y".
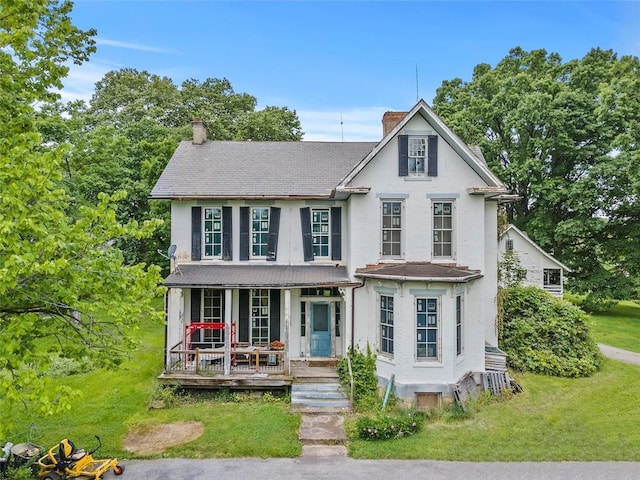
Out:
{"x": 274, "y": 225}
{"x": 244, "y": 233}
{"x": 307, "y": 241}
{"x": 196, "y": 233}
{"x": 417, "y": 155}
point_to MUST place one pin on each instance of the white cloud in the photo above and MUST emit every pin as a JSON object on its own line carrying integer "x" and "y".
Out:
{"x": 358, "y": 124}
{"x": 133, "y": 46}
{"x": 80, "y": 82}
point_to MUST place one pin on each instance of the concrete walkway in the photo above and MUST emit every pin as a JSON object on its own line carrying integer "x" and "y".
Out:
{"x": 322, "y": 434}
{"x": 618, "y": 354}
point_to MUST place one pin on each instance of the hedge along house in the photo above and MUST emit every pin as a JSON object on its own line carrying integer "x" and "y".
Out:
{"x": 319, "y": 247}
{"x": 540, "y": 268}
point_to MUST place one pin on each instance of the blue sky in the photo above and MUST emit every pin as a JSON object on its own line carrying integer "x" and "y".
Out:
{"x": 333, "y": 60}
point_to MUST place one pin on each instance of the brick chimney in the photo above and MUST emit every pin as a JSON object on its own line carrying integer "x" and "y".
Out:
{"x": 390, "y": 120}
{"x": 199, "y": 131}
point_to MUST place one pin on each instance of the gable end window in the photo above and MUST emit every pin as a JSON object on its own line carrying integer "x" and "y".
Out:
{"x": 418, "y": 155}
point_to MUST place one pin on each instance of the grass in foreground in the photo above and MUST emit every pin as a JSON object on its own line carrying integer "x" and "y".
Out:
{"x": 555, "y": 419}
{"x": 113, "y": 402}
{"x": 619, "y": 327}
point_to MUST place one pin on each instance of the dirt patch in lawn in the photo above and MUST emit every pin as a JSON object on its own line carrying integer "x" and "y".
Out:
{"x": 157, "y": 438}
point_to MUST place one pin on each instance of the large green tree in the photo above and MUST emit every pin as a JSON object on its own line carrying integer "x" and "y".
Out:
{"x": 564, "y": 137}
{"x": 65, "y": 290}
{"x": 124, "y": 136}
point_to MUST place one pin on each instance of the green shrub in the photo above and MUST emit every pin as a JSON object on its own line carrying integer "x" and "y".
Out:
{"x": 22, "y": 472}
{"x": 365, "y": 382}
{"x": 385, "y": 426}
{"x": 545, "y": 335}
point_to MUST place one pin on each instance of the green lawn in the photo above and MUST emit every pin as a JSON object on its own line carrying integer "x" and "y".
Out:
{"x": 620, "y": 327}
{"x": 554, "y": 419}
{"x": 112, "y": 402}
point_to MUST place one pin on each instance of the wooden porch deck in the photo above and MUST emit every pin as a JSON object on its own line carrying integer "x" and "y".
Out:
{"x": 252, "y": 377}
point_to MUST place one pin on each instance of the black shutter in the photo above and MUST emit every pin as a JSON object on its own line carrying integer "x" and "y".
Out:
{"x": 244, "y": 233}
{"x": 432, "y": 156}
{"x": 196, "y": 233}
{"x": 274, "y": 224}
{"x": 403, "y": 155}
{"x": 227, "y": 236}
{"x": 274, "y": 315}
{"x": 195, "y": 305}
{"x": 307, "y": 245}
{"x": 243, "y": 316}
{"x": 336, "y": 233}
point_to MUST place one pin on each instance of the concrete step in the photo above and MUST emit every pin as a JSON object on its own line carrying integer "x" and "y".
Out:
{"x": 318, "y": 395}
{"x": 317, "y": 387}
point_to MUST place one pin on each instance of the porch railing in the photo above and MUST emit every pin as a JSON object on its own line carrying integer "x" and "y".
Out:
{"x": 211, "y": 361}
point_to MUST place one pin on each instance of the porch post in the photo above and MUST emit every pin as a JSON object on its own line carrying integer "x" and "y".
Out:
{"x": 228, "y": 302}
{"x": 348, "y": 319}
{"x": 287, "y": 329}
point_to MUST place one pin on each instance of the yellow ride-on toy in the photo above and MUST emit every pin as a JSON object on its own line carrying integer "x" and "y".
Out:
{"x": 64, "y": 461}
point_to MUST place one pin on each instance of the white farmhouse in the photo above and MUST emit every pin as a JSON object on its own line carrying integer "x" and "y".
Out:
{"x": 541, "y": 269}
{"x": 299, "y": 251}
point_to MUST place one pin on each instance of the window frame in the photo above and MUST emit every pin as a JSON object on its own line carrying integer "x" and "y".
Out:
{"x": 435, "y": 340}
{"x": 326, "y": 235}
{"x": 435, "y": 229}
{"x": 391, "y": 229}
{"x": 263, "y": 232}
{"x": 459, "y": 316}
{"x": 207, "y": 296}
{"x": 258, "y": 320}
{"x": 414, "y": 159}
{"x": 386, "y": 328}
{"x": 213, "y": 233}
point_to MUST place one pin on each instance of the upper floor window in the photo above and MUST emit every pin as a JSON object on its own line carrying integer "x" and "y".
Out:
{"x": 259, "y": 232}
{"x": 443, "y": 229}
{"x": 417, "y": 155}
{"x": 508, "y": 245}
{"x": 211, "y": 233}
{"x": 320, "y": 232}
{"x": 427, "y": 329}
{"x": 212, "y": 230}
{"x": 391, "y": 228}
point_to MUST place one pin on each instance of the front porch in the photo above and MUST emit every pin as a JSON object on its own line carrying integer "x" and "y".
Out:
{"x": 249, "y": 369}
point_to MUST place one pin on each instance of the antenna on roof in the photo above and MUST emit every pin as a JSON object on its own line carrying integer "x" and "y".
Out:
{"x": 341, "y": 127}
{"x": 417, "y": 90}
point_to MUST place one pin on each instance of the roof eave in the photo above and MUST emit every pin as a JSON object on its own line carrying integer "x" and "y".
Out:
{"x": 404, "y": 278}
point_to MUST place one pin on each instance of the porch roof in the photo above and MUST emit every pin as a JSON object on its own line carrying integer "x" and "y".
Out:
{"x": 258, "y": 276}
{"x": 419, "y": 271}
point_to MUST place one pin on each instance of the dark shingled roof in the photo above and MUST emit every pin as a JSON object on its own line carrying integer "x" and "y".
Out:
{"x": 418, "y": 271}
{"x": 258, "y": 169}
{"x": 257, "y": 276}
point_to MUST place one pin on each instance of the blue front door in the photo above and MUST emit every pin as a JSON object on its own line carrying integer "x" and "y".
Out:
{"x": 320, "y": 330}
